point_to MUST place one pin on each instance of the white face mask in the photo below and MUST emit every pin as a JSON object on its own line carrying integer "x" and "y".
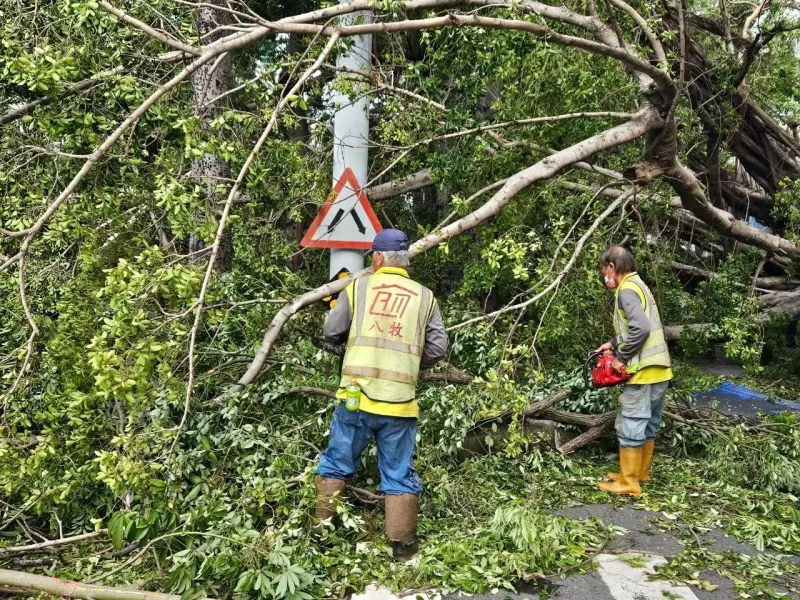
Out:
{"x": 610, "y": 283}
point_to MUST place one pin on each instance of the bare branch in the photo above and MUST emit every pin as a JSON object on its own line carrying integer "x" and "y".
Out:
{"x": 72, "y": 589}
{"x": 771, "y": 283}
{"x": 519, "y": 122}
{"x": 309, "y": 390}
{"x": 751, "y": 18}
{"x": 655, "y": 43}
{"x": 81, "y": 86}
{"x": 157, "y": 35}
{"x": 410, "y": 94}
{"x": 534, "y": 29}
{"x": 549, "y": 402}
{"x": 410, "y": 183}
{"x": 591, "y": 168}
{"x": 694, "y": 198}
{"x": 586, "y": 438}
{"x": 225, "y": 9}
{"x": 726, "y": 28}
{"x": 51, "y": 543}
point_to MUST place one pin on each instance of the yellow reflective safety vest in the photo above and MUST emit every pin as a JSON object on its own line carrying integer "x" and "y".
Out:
{"x": 387, "y": 334}
{"x": 654, "y": 352}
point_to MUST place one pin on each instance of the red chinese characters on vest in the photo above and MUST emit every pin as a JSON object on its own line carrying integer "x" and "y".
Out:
{"x": 390, "y": 301}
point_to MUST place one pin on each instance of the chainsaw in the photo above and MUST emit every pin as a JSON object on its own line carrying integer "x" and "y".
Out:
{"x": 330, "y": 348}
{"x": 602, "y": 375}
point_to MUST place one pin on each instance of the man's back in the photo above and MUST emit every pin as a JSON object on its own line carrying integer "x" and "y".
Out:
{"x": 393, "y": 327}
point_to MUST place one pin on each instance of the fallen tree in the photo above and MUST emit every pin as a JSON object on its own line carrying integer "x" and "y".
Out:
{"x": 512, "y": 140}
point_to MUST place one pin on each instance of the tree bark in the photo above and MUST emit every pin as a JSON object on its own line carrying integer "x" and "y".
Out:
{"x": 584, "y": 439}
{"x": 208, "y": 82}
{"x": 411, "y": 183}
{"x": 770, "y": 283}
{"x": 72, "y": 589}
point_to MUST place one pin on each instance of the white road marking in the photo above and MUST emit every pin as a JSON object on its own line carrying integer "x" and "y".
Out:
{"x": 630, "y": 583}
{"x": 374, "y": 592}
{"x": 623, "y": 581}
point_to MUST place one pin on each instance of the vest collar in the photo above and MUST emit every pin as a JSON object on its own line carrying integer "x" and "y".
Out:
{"x": 393, "y": 271}
{"x": 624, "y": 279}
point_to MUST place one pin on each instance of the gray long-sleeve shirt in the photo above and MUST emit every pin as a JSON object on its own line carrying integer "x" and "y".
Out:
{"x": 639, "y": 324}
{"x": 337, "y": 330}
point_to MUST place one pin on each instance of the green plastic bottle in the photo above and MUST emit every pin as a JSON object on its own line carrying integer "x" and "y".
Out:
{"x": 353, "y": 398}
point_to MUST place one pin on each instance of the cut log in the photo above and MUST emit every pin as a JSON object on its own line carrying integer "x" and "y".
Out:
{"x": 557, "y": 436}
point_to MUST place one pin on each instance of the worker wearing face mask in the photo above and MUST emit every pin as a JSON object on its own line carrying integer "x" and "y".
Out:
{"x": 640, "y": 347}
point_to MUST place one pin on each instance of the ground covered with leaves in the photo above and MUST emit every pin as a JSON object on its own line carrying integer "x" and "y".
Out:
{"x": 241, "y": 526}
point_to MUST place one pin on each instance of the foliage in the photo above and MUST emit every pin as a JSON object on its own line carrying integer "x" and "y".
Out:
{"x": 89, "y": 431}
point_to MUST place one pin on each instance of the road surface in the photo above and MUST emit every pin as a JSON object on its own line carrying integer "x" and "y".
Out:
{"x": 621, "y": 573}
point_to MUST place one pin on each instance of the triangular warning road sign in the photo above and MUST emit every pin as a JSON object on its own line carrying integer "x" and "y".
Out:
{"x": 346, "y": 220}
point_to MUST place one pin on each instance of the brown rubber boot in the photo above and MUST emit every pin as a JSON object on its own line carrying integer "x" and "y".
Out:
{"x": 401, "y": 524}
{"x": 630, "y": 462}
{"x": 328, "y": 490}
{"x": 647, "y": 459}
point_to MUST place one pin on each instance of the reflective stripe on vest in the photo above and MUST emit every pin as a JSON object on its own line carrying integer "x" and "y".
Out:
{"x": 387, "y": 336}
{"x": 654, "y": 352}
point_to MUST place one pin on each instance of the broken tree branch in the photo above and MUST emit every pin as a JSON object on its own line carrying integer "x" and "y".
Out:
{"x": 65, "y": 588}
{"x": 646, "y": 120}
{"x": 144, "y": 27}
{"x": 81, "y": 86}
{"x": 51, "y": 543}
{"x": 686, "y": 184}
{"x": 773, "y": 283}
{"x": 410, "y": 183}
{"x": 309, "y": 390}
{"x": 584, "y": 439}
{"x": 549, "y": 402}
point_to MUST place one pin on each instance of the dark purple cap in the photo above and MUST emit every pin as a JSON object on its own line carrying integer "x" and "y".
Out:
{"x": 389, "y": 240}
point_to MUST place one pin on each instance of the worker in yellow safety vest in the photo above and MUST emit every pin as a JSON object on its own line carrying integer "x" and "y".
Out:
{"x": 392, "y": 327}
{"x": 639, "y": 344}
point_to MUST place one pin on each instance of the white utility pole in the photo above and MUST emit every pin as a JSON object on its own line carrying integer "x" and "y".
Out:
{"x": 351, "y": 131}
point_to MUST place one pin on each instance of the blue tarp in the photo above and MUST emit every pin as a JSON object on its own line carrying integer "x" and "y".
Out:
{"x": 732, "y": 399}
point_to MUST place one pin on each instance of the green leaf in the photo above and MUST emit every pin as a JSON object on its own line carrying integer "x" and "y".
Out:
{"x": 116, "y": 528}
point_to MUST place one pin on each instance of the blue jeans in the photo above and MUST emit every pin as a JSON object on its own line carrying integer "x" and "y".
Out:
{"x": 640, "y": 413}
{"x": 396, "y": 437}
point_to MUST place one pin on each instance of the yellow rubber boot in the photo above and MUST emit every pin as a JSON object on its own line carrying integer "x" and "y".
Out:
{"x": 647, "y": 459}
{"x": 630, "y": 462}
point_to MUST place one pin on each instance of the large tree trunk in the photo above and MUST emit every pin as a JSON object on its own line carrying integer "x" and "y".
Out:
{"x": 766, "y": 153}
{"x": 208, "y": 82}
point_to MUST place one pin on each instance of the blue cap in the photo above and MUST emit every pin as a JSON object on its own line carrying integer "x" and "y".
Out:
{"x": 389, "y": 240}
